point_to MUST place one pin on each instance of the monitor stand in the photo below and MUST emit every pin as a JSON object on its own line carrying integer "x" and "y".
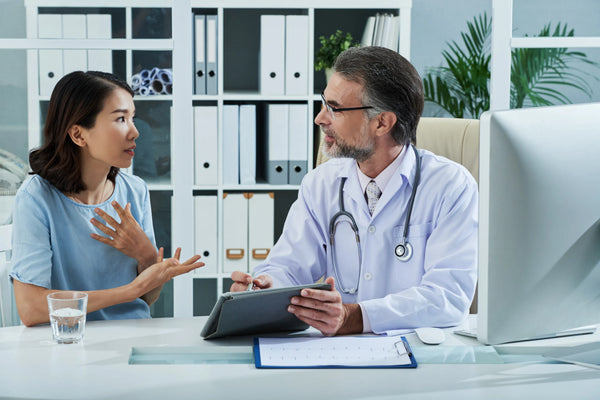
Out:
{"x": 472, "y": 333}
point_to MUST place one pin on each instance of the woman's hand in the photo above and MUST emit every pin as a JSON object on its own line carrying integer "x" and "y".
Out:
{"x": 126, "y": 236}
{"x": 163, "y": 271}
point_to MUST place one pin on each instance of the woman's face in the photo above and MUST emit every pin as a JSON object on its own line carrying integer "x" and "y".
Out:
{"x": 111, "y": 141}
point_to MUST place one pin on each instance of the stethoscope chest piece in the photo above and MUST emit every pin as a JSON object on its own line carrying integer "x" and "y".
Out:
{"x": 403, "y": 251}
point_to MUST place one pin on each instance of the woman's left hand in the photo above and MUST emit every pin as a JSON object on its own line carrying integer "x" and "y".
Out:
{"x": 126, "y": 236}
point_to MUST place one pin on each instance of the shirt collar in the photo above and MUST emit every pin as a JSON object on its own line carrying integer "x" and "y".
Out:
{"x": 384, "y": 176}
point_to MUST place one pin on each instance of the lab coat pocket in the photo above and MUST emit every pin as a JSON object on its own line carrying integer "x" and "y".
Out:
{"x": 414, "y": 231}
{"x": 418, "y": 234}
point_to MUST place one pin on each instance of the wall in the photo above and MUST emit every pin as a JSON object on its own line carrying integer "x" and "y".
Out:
{"x": 434, "y": 23}
{"x": 13, "y": 81}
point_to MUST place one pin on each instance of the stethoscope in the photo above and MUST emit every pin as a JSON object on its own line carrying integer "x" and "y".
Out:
{"x": 403, "y": 250}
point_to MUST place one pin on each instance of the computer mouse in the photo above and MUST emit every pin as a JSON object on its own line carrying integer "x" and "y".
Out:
{"x": 430, "y": 335}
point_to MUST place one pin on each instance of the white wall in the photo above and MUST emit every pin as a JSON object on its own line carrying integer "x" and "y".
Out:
{"x": 434, "y": 23}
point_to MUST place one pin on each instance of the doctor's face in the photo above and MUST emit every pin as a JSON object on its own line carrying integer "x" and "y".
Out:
{"x": 347, "y": 133}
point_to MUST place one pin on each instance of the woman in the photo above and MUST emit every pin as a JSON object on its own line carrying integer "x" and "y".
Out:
{"x": 59, "y": 243}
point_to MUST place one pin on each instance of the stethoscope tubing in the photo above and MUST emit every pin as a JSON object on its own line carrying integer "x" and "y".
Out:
{"x": 403, "y": 251}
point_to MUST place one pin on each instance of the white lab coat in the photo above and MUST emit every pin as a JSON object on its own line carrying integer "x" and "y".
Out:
{"x": 434, "y": 288}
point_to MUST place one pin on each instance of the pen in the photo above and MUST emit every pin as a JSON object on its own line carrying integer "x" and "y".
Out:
{"x": 250, "y": 286}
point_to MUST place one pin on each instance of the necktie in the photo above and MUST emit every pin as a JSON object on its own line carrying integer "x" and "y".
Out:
{"x": 373, "y": 194}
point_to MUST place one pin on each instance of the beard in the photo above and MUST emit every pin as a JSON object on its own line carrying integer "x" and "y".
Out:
{"x": 339, "y": 148}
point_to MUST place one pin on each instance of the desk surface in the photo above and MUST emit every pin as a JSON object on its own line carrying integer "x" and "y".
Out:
{"x": 31, "y": 366}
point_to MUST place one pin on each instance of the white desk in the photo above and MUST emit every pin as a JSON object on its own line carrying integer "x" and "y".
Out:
{"x": 32, "y": 367}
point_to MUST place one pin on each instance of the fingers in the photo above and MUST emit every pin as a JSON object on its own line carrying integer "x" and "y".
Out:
{"x": 241, "y": 277}
{"x": 122, "y": 213}
{"x": 241, "y": 280}
{"x": 103, "y": 228}
{"x": 102, "y": 239}
{"x": 177, "y": 253}
{"x": 176, "y": 269}
{"x": 109, "y": 220}
{"x": 331, "y": 282}
{"x": 263, "y": 282}
{"x": 160, "y": 255}
{"x": 190, "y": 260}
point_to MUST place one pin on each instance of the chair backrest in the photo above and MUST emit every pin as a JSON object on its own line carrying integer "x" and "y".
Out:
{"x": 8, "y": 310}
{"x": 454, "y": 138}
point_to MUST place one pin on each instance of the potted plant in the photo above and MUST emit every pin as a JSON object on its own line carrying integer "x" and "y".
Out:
{"x": 462, "y": 87}
{"x": 330, "y": 48}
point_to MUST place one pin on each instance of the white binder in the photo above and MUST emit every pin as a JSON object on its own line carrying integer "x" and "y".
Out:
{"x": 205, "y": 233}
{"x": 205, "y": 144}
{"x": 231, "y": 148}
{"x": 260, "y": 227}
{"x": 211, "y": 55}
{"x": 74, "y": 27}
{"x": 50, "y": 60}
{"x": 272, "y": 54}
{"x": 298, "y": 143}
{"x": 277, "y": 136}
{"x": 367, "y": 37}
{"x": 296, "y": 54}
{"x": 200, "y": 54}
{"x": 99, "y": 27}
{"x": 248, "y": 144}
{"x": 235, "y": 232}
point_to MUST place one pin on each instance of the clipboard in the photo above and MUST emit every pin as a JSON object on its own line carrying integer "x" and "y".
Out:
{"x": 333, "y": 352}
{"x": 255, "y": 311}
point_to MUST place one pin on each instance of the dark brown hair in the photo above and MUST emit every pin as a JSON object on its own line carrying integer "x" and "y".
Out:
{"x": 390, "y": 83}
{"x": 77, "y": 99}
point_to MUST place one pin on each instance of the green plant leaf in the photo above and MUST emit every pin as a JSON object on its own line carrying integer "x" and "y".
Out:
{"x": 331, "y": 47}
{"x": 461, "y": 88}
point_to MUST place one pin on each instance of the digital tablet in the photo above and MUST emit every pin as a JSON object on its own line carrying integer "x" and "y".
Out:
{"x": 255, "y": 311}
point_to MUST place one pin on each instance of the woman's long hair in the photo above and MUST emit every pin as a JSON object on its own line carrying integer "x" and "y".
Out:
{"x": 77, "y": 99}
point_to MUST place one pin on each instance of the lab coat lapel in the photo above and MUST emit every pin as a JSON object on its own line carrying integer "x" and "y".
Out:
{"x": 353, "y": 190}
{"x": 402, "y": 179}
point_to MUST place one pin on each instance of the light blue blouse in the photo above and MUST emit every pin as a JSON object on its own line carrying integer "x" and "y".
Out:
{"x": 52, "y": 246}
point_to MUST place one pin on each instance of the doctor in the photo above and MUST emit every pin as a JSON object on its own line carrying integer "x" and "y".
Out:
{"x": 393, "y": 229}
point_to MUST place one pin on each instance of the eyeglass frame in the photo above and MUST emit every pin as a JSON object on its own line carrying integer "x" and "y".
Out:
{"x": 332, "y": 110}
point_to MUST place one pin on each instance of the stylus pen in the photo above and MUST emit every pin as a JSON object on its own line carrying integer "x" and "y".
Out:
{"x": 250, "y": 286}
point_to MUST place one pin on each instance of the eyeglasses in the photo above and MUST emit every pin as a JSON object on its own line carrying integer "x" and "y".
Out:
{"x": 332, "y": 110}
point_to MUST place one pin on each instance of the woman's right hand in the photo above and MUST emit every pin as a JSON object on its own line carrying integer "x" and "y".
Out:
{"x": 164, "y": 270}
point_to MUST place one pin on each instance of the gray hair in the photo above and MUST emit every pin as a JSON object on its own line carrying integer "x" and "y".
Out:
{"x": 390, "y": 83}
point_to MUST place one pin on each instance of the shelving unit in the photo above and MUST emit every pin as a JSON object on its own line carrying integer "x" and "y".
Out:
{"x": 170, "y": 117}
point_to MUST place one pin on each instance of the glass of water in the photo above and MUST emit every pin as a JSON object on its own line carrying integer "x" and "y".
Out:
{"x": 67, "y": 315}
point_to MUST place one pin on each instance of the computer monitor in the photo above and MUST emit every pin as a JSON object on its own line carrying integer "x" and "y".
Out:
{"x": 539, "y": 222}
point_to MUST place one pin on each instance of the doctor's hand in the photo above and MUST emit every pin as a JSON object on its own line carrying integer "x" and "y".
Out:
{"x": 241, "y": 281}
{"x": 324, "y": 310}
{"x": 126, "y": 236}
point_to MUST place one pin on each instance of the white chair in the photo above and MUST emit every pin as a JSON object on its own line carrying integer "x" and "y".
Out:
{"x": 8, "y": 308}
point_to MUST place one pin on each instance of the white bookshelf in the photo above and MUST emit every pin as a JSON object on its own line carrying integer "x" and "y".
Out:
{"x": 323, "y": 19}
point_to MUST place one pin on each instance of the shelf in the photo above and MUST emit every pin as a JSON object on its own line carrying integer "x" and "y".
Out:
{"x": 166, "y": 152}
